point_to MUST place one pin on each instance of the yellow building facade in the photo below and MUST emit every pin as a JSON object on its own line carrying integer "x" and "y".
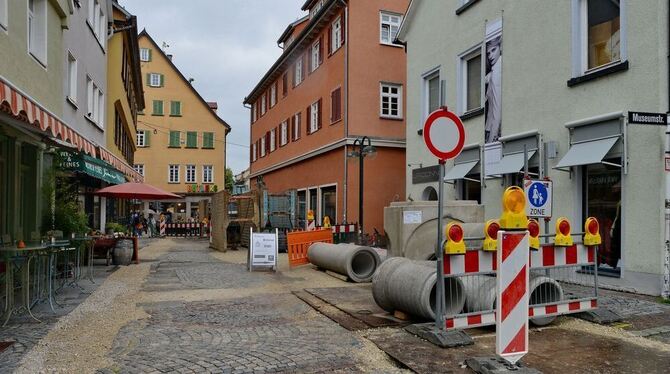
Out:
{"x": 181, "y": 141}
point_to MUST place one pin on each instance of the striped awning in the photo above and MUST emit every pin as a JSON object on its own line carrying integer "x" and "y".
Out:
{"x": 22, "y": 107}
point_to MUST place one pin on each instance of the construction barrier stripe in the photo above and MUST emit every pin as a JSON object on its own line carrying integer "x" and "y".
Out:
{"x": 339, "y": 229}
{"x": 476, "y": 261}
{"x": 512, "y": 295}
{"x": 488, "y": 318}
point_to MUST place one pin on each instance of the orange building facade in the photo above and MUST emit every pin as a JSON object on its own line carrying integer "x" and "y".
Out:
{"x": 339, "y": 78}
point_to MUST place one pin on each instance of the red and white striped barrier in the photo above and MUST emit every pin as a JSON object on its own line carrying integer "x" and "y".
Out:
{"x": 512, "y": 295}
{"x": 344, "y": 229}
{"x": 476, "y": 261}
{"x": 162, "y": 228}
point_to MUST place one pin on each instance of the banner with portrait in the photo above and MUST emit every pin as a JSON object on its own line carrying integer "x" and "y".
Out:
{"x": 493, "y": 81}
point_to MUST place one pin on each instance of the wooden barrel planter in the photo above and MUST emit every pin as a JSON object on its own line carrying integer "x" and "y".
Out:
{"x": 123, "y": 251}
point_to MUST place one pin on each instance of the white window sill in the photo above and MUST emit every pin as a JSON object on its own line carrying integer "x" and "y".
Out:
{"x": 390, "y": 44}
{"x": 89, "y": 119}
{"x": 72, "y": 102}
{"x": 395, "y": 118}
{"x": 38, "y": 60}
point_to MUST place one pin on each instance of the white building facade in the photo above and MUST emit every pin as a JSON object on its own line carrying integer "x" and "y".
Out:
{"x": 561, "y": 85}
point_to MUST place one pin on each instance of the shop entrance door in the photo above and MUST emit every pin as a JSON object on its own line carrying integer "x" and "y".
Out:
{"x": 602, "y": 199}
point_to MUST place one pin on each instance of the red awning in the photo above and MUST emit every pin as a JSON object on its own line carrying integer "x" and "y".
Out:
{"x": 139, "y": 191}
{"x": 24, "y": 108}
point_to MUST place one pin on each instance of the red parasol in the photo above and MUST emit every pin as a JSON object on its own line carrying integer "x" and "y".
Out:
{"x": 140, "y": 191}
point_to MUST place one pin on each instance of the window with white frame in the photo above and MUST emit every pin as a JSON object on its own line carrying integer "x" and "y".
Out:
{"x": 96, "y": 21}
{"x": 273, "y": 139}
{"x": 139, "y": 168}
{"x": 273, "y": 94}
{"x": 600, "y": 34}
{"x": 3, "y": 14}
{"x": 95, "y": 103}
{"x": 314, "y": 117}
{"x": 390, "y": 100}
{"x": 254, "y": 151}
{"x": 283, "y": 136}
{"x": 316, "y": 55}
{"x": 190, "y": 174}
{"x": 389, "y": 25}
{"x": 470, "y": 82}
{"x": 254, "y": 112}
{"x": 263, "y": 146}
{"x": 431, "y": 84}
{"x": 207, "y": 174}
{"x": 141, "y": 140}
{"x": 336, "y": 35}
{"x": 71, "y": 77}
{"x": 154, "y": 80}
{"x": 173, "y": 173}
{"x": 263, "y": 103}
{"x": 37, "y": 29}
{"x": 298, "y": 72}
{"x": 145, "y": 54}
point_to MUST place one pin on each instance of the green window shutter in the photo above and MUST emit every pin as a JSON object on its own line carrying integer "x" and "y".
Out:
{"x": 174, "y": 138}
{"x": 149, "y": 54}
{"x": 175, "y": 108}
{"x": 158, "y": 108}
{"x": 148, "y": 79}
{"x": 162, "y": 80}
{"x": 147, "y": 135}
{"x": 191, "y": 139}
{"x": 208, "y": 140}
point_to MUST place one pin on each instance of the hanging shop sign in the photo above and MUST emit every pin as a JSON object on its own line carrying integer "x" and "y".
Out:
{"x": 644, "y": 118}
{"x": 82, "y": 163}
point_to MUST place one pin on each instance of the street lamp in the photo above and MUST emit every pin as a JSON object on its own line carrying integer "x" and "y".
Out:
{"x": 362, "y": 151}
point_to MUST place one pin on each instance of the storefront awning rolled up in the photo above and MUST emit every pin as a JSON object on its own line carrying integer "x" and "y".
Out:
{"x": 83, "y": 163}
{"x": 587, "y": 153}
{"x": 510, "y": 163}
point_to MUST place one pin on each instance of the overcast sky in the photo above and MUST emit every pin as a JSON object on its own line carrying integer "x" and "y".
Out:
{"x": 225, "y": 45}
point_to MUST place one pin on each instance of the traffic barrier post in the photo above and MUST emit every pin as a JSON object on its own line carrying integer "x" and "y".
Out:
{"x": 298, "y": 243}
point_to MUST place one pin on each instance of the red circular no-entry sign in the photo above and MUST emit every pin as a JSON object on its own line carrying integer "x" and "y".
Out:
{"x": 444, "y": 134}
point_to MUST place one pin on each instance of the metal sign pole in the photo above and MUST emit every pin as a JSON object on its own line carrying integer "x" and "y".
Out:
{"x": 439, "y": 253}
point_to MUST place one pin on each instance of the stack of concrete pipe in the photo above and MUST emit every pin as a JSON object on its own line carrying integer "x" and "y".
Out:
{"x": 410, "y": 286}
{"x": 480, "y": 293}
{"x": 358, "y": 263}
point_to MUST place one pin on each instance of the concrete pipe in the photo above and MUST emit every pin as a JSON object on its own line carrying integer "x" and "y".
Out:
{"x": 356, "y": 262}
{"x": 409, "y": 286}
{"x": 480, "y": 293}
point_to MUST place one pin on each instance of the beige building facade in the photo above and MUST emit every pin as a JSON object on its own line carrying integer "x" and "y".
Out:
{"x": 181, "y": 141}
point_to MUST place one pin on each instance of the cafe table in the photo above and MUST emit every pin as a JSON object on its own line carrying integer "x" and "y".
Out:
{"x": 21, "y": 257}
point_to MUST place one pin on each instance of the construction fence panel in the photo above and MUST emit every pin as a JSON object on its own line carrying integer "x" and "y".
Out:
{"x": 298, "y": 243}
{"x": 190, "y": 230}
{"x": 562, "y": 280}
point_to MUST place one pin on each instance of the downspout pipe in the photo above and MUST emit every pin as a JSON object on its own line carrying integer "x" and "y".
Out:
{"x": 665, "y": 292}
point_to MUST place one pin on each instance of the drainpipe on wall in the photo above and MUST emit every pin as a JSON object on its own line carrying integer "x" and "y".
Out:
{"x": 346, "y": 108}
{"x": 666, "y": 263}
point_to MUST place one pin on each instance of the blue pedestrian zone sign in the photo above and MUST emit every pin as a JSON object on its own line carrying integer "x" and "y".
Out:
{"x": 538, "y": 198}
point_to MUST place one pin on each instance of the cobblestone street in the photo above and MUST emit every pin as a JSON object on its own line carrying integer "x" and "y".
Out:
{"x": 268, "y": 332}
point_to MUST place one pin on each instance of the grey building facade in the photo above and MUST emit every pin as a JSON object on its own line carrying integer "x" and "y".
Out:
{"x": 85, "y": 64}
{"x": 559, "y": 80}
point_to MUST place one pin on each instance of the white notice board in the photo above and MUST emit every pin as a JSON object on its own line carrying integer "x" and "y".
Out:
{"x": 264, "y": 249}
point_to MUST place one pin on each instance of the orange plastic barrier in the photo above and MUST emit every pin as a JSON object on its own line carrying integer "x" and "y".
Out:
{"x": 299, "y": 241}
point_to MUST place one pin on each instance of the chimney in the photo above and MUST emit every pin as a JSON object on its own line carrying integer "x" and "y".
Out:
{"x": 213, "y": 105}
{"x": 169, "y": 56}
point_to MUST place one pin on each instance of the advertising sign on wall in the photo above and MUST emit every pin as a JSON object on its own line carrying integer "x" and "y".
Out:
{"x": 493, "y": 81}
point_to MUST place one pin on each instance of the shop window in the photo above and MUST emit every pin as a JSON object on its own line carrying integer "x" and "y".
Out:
{"x": 313, "y": 200}
{"x": 302, "y": 208}
{"x": 470, "y": 190}
{"x": 329, "y": 203}
{"x": 601, "y": 186}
